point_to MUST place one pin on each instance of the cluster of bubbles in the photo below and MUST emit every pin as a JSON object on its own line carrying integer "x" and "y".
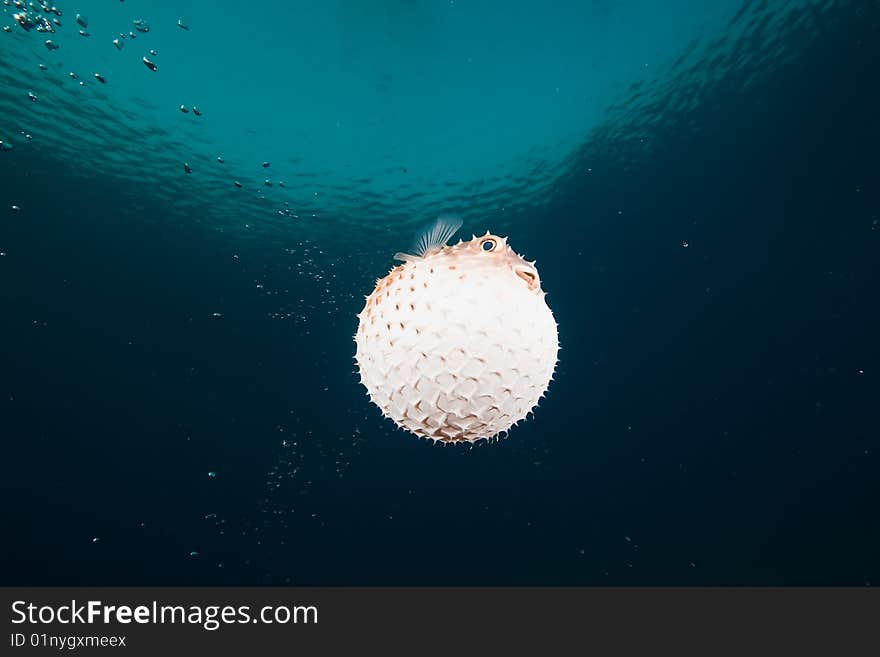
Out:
{"x": 41, "y": 17}
{"x": 291, "y": 472}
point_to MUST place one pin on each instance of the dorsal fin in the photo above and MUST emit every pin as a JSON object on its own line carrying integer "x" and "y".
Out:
{"x": 433, "y": 236}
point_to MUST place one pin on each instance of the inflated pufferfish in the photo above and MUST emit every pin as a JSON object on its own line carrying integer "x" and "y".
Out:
{"x": 457, "y": 344}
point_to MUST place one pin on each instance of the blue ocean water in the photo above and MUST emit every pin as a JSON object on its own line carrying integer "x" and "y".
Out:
{"x": 699, "y": 186}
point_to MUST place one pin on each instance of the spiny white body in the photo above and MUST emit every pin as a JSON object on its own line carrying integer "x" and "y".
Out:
{"x": 458, "y": 344}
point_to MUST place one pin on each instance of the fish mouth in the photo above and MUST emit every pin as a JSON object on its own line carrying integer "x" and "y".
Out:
{"x": 528, "y": 275}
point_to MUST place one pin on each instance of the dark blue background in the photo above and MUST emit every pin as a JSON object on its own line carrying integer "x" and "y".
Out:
{"x": 714, "y": 419}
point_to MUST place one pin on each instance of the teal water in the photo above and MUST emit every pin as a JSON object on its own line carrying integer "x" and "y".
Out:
{"x": 372, "y": 115}
{"x": 178, "y": 400}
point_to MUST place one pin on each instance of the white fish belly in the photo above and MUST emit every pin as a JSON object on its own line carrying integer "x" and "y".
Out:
{"x": 455, "y": 354}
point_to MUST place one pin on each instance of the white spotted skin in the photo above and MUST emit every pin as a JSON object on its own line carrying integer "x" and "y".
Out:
{"x": 458, "y": 345}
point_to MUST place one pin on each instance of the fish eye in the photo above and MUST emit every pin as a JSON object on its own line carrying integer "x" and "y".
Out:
{"x": 488, "y": 244}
